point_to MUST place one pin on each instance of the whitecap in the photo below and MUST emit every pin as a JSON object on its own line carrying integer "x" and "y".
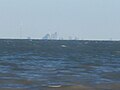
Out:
{"x": 63, "y": 46}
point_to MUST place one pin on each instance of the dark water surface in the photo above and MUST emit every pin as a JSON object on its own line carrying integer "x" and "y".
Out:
{"x": 59, "y": 65}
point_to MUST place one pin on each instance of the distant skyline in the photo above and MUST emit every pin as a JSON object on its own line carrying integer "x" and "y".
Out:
{"x": 86, "y": 19}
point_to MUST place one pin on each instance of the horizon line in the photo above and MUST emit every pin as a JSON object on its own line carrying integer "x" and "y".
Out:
{"x": 60, "y": 39}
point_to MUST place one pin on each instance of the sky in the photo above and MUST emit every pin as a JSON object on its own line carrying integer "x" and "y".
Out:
{"x": 86, "y": 19}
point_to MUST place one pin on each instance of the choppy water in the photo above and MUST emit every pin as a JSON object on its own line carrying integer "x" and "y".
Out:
{"x": 40, "y": 64}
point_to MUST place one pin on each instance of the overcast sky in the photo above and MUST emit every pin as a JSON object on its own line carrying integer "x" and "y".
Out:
{"x": 86, "y": 19}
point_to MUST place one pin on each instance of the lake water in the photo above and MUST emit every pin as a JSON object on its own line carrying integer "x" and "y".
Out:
{"x": 59, "y": 65}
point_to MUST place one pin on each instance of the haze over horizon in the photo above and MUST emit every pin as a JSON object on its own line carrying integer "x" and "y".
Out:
{"x": 86, "y": 19}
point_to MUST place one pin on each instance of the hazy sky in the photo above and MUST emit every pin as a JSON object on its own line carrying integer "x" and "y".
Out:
{"x": 87, "y": 19}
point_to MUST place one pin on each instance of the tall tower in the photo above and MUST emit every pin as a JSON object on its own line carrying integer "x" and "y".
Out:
{"x": 55, "y": 35}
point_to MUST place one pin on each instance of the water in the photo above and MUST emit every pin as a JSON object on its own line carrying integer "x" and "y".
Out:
{"x": 59, "y": 65}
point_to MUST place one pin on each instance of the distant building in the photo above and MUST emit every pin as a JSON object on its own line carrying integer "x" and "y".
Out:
{"x": 61, "y": 38}
{"x": 47, "y": 37}
{"x": 28, "y": 38}
{"x": 76, "y": 38}
{"x": 54, "y": 36}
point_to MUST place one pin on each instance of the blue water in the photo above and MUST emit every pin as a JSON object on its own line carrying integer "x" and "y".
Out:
{"x": 34, "y": 64}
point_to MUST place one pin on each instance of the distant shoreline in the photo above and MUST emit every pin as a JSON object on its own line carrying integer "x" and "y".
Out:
{"x": 56, "y": 39}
